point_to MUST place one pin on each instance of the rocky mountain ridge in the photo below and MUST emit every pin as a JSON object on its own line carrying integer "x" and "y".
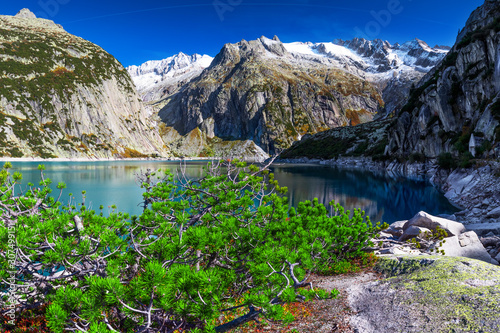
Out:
{"x": 415, "y": 53}
{"x": 256, "y": 90}
{"x": 279, "y": 72}
{"x": 392, "y": 68}
{"x": 62, "y": 96}
{"x": 454, "y": 109}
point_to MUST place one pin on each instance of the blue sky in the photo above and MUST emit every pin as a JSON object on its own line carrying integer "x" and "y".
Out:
{"x": 137, "y": 31}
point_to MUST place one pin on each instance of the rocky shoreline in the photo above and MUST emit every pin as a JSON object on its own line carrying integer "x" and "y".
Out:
{"x": 83, "y": 159}
{"x": 476, "y": 191}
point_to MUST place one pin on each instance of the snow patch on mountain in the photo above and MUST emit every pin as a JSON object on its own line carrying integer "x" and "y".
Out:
{"x": 393, "y": 68}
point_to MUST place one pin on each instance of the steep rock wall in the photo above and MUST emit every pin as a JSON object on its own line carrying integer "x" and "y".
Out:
{"x": 459, "y": 98}
{"x": 62, "y": 96}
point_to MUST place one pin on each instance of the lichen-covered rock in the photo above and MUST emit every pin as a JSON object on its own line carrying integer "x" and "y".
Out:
{"x": 428, "y": 294}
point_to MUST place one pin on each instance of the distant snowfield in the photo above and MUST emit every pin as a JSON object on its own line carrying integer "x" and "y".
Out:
{"x": 312, "y": 49}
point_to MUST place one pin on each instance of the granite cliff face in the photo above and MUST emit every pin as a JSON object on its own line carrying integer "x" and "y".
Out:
{"x": 459, "y": 97}
{"x": 259, "y": 91}
{"x": 455, "y": 104}
{"x": 62, "y": 96}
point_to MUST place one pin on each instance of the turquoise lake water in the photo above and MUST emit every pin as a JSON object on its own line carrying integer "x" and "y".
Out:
{"x": 114, "y": 183}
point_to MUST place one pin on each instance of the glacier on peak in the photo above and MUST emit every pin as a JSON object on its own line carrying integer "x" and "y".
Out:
{"x": 375, "y": 56}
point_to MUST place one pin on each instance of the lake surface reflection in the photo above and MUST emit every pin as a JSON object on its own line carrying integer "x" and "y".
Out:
{"x": 114, "y": 183}
{"x": 382, "y": 198}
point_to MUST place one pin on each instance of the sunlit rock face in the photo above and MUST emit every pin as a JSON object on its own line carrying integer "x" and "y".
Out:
{"x": 63, "y": 96}
{"x": 274, "y": 93}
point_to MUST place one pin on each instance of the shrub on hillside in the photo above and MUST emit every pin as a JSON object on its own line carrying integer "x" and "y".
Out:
{"x": 447, "y": 161}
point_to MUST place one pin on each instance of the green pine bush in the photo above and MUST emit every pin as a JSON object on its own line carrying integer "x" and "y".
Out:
{"x": 202, "y": 249}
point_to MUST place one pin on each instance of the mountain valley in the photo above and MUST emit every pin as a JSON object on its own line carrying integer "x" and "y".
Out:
{"x": 452, "y": 112}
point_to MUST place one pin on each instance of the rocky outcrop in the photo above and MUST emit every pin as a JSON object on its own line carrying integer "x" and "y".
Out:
{"x": 258, "y": 91}
{"x": 364, "y": 139}
{"x": 460, "y": 97}
{"x": 424, "y": 220}
{"x": 62, "y": 96}
{"x": 25, "y": 13}
{"x": 198, "y": 144}
{"x": 476, "y": 190}
{"x": 428, "y": 294}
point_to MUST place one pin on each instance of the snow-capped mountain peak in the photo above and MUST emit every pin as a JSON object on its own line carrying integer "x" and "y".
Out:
{"x": 393, "y": 67}
{"x": 389, "y": 66}
{"x": 154, "y": 78}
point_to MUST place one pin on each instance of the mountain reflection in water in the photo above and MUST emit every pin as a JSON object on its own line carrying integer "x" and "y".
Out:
{"x": 114, "y": 183}
{"x": 383, "y": 198}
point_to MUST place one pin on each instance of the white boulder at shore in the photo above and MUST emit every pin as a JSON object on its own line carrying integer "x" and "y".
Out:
{"x": 459, "y": 242}
{"x": 424, "y": 220}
